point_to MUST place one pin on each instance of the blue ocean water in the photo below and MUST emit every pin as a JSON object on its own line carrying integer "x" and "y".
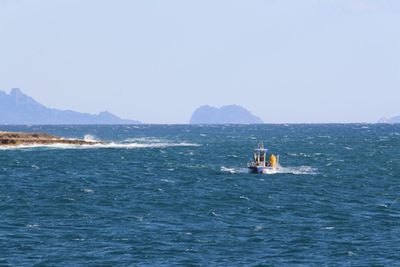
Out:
{"x": 181, "y": 195}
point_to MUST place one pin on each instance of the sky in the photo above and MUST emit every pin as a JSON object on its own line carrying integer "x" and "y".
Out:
{"x": 287, "y": 61}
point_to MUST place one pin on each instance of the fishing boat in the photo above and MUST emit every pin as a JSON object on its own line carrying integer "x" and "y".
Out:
{"x": 260, "y": 163}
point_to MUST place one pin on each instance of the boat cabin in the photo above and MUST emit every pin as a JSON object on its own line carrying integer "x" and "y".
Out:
{"x": 260, "y": 156}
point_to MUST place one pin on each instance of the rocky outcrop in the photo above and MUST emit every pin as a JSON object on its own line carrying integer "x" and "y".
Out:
{"x": 17, "y": 139}
{"x": 231, "y": 114}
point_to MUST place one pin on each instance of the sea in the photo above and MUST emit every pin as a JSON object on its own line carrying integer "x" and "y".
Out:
{"x": 181, "y": 195}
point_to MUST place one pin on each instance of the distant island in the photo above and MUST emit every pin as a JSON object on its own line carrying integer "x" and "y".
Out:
{"x": 390, "y": 120}
{"x": 10, "y": 139}
{"x": 18, "y": 108}
{"x": 395, "y": 119}
{"x": 231, "y": 114}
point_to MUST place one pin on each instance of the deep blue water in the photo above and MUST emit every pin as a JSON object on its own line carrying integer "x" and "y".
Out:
{"x": 181, "y": 195}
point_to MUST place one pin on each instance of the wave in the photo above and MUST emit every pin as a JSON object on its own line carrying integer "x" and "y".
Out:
{"x": 299, "y": 170}
{"x": 145, "y": 140}
{"x": 90, "y": 138}
{"x": 110, "y": 145}
{"x": 233, "y": 170}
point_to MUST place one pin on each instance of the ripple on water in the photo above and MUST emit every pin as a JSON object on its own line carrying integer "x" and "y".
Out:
{"x": 182, "y": 195}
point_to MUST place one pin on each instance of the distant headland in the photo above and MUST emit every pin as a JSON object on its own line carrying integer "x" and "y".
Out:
{"x": 231, "y": 114}
{"x": 394, "y": 119}
{"x": 390, "y": 120}
{"x": 18, "y": 108}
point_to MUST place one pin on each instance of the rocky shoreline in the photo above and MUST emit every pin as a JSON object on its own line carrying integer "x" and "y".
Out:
{"x": 19, "y": 138}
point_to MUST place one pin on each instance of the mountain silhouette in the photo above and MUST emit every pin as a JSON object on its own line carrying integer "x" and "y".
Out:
{"x": 19, "y": 108}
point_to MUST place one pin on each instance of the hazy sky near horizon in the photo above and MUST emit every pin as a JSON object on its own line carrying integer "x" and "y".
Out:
{"x": 158, "y": 60}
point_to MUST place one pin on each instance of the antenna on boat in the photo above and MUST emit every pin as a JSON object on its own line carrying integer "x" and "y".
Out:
{"x": 261, "y": 145}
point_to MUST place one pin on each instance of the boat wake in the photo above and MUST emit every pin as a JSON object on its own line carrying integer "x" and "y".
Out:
{"x": 233, "y": 170}
{"x": 299, "y": 170}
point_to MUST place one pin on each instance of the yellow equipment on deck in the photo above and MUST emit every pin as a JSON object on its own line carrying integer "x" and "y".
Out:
{"x": 272, "y": 160}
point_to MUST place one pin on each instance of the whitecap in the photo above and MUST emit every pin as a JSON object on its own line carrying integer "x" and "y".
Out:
{"x": 35, "y": 167}
{"x": 167, "y": 181}
{"x": 244, "y": 197}
{"x": 139, "y": 218}
{"x": 215, "y": 214}
{"x": 297, "y": 170}
{"x": 145, "y": 140}
{"x": 87, "y": 190}
{"x": 90, "y": 138}
{"x": 258, "y": 228}
{"x": 230, "y": 170}
{"x": 233, "y": 170}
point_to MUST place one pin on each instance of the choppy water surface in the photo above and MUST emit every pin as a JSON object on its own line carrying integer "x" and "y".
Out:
{"x": 181, "y": 195}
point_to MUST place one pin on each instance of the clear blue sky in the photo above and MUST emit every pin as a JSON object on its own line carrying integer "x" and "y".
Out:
{"x": 157, "y": 60}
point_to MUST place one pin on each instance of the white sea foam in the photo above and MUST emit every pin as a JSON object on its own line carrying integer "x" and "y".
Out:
{"x": 215, "y": 214}
{"x": 145, "y": 140}
{"x": 114, "y": 145}
{"x": 244, "y": 197}
{"x": 90, "y": 138}
{"x": 297, "y": 170}
{"x": 258, "y": 228}
{"x": 86, "y": 190}
{"x": 32, "y": 225}
{"x": 35, "y": 167}
{"x": 233, "y": 170}
{"x": 167, "y": 181}
{"x": 230, "y": 170}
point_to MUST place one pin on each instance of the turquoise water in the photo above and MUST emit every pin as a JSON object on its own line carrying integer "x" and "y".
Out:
{"x": 181, "y": 195}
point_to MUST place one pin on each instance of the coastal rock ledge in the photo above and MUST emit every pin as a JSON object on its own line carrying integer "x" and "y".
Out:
{"x": 17, "y": 139}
